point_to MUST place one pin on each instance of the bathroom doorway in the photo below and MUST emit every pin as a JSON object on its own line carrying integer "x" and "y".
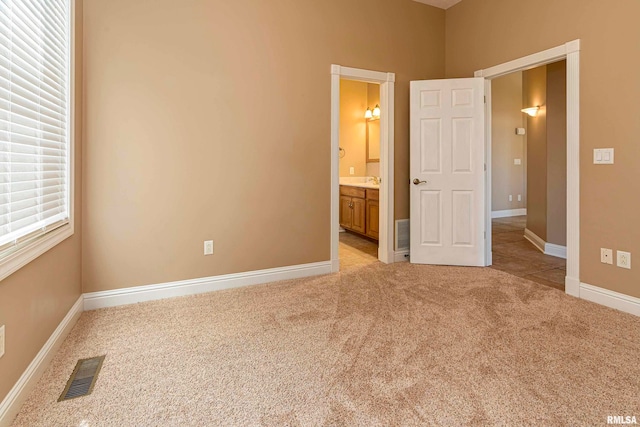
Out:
{"x": 362, "y": 186}
{"x": 359, "y": 170}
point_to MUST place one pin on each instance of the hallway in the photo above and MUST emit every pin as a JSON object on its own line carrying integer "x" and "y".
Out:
{"x": 514, "y": 254}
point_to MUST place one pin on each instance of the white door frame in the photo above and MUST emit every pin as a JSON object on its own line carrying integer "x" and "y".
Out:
{"x": 387, "y": 83}
{"x": 571, "y": 52}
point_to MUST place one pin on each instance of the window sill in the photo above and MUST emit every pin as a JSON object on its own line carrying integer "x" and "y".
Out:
{"x": 13, "y": 262}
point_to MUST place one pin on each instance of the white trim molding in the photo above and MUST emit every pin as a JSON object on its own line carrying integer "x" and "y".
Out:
{"x": 611, "y": 299}
{"x": 558, "y": 251}
{"x": 550, "y": 249}
{"x": 11, "y": 404}
{"x": 95, "y": 300}
{"x": 508, "y": 213}
{"x": 387, "y": 151}
{"x": 401, "y": 256}
{"x": 571, "y": 52}
{"x": 535, "y": 240}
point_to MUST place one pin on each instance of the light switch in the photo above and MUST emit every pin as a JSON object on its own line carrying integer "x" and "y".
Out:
{"x": 520, "y": 131}
{"x": 517, "y": 161}
{"x": 352, "y": 170}
{"x": 603, "y": 156}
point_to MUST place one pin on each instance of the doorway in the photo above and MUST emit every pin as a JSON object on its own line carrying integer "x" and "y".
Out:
{"x": 359, "y": 167}
{"x": 571, "y": 53}
{"x": 384, "y": 205}
{"x": 528, "y": 169}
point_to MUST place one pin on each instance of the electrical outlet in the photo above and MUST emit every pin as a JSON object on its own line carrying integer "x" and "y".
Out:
{"x": 517, "y": 161}
{"x": 624, "y": 259}
{"x": 1, "y": 340}
{"x": 208, "y": 247}
{"x": 606, "y": 256}
{"x": 352, "y": 170}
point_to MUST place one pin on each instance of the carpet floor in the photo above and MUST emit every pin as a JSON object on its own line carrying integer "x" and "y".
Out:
{"x": 384, "y": 345}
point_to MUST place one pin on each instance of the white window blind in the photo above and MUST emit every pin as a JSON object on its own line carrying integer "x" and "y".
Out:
{"x": 34, "y": 119}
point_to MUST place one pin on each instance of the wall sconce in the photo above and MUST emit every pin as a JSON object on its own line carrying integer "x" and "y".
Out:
{"x": 368, "y": 114}
{"x": 372, "y": 115}
{"x": 376, "y": 112}
{"x": 532, "y": 111}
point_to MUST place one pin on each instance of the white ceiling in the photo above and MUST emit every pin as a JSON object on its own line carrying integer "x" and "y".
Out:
{"x": 442, "y": 4}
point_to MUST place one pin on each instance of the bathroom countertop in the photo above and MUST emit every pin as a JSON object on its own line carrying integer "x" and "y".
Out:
{"x": 362, "y": 185}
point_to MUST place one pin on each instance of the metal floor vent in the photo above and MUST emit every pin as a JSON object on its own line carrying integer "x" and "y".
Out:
{"x": 83, "y": 378}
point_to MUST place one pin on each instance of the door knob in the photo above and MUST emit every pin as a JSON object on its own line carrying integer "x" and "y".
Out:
{"x": 418, "y": 182}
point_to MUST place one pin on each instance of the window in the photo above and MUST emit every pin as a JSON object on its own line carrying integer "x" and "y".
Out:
{"x": 35, "y": 129}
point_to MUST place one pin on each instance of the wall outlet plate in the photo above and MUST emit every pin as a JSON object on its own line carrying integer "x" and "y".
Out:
{"x": 208, "y": 247}
{"x": 1, "y": 340}
{"x": 606, "y": 256}
{"x": 623, "y": 259}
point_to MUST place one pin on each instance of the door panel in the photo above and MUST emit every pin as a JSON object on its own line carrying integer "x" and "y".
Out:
{"x": 346, "y": 214}
{"x": 359, "y": 215}
{"x": 373, "y": 219}
{"x": 447, "y": 172}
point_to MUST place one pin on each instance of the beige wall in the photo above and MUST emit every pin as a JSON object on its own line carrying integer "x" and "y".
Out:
{"x": 609, "y": 90}
{"x": 534, "y": 93}
{"x": 212, "y": 121}
{"x": 557, "y": 153}
{"x": 547, "y": 152}
{"x": 506, "y": 177}
{"x": 35, "y": 299}
{"x": 353, "y": 127}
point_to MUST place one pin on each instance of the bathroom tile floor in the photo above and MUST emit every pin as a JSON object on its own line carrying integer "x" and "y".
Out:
{"x": 356, "y": 251}
{"x": 514, "y": 254}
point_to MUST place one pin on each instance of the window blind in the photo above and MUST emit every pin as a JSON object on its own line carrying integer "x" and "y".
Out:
{"x": 34, "y": 118}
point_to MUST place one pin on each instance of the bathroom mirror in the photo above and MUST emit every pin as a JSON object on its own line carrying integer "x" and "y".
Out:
{"x": 373, "y": 141}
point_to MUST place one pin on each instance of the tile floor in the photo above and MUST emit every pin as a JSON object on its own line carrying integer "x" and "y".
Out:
{"x": 514, "y": 254}
{"x": 356, "y": 251}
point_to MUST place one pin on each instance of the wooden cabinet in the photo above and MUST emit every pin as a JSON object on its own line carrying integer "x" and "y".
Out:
{"x": 359, "y": 210}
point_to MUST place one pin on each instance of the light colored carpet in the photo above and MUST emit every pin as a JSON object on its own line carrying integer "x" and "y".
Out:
{"x": 384, "y": 345}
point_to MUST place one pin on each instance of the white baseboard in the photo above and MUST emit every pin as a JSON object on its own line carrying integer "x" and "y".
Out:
{"x": 508, "y": 213}
{"x": 611, "y": 299}
{"x": 95, "y": 300}
{"x": 544, "y": 247}
{"x": 555, "y": 250}
{"x": 572, "y": 286}
{"x": 401, "y": 255}
{"x": 535, "y": 239}
{"x": 12, "y": 403}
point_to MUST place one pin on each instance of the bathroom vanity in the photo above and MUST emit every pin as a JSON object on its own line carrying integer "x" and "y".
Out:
{"x": 359, "y": 210}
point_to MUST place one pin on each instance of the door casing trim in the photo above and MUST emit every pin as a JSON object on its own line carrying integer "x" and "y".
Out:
{"x": 571, "y": 52}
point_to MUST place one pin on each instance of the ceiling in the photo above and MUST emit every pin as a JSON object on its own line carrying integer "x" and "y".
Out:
{"x": 442, "y": 4}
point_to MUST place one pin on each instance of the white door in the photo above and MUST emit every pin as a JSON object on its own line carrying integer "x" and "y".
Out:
{"x": 447, "y": 172}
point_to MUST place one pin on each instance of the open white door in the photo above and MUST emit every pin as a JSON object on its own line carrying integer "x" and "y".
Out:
{"x": 447, "y": 167}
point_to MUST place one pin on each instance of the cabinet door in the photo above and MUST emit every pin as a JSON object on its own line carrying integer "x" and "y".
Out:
{"x": 359, "y": 215}
{"x": 373, "y": 219}
{"x": 346, "y": 214}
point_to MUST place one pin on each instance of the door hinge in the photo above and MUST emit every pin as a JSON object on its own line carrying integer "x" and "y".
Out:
{"x": 485, "y": 167}
{"x": 485, "y": 235}
{"x": 485, "y": 99}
